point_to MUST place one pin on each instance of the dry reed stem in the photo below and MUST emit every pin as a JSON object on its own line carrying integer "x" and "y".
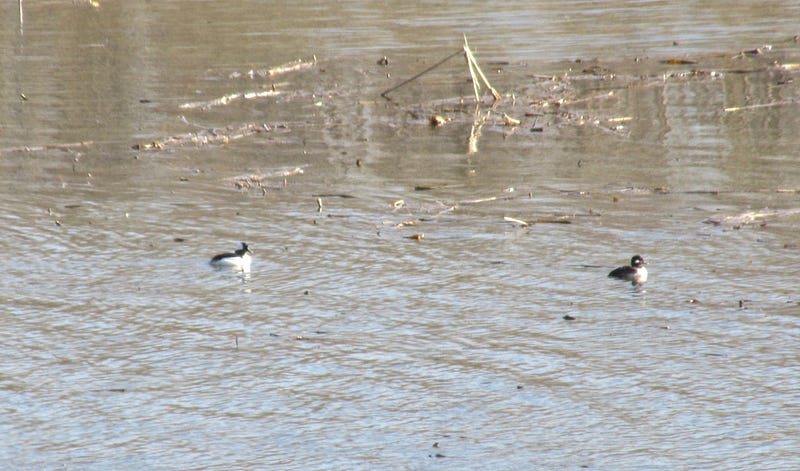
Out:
{"x": 474, "y": 63}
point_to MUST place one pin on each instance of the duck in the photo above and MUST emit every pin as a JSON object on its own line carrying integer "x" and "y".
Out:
{"x": 238, "y": 260}
{"x": 636, "y": 272}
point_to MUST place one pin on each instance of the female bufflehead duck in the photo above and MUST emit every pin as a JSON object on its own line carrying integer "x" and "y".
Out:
{"x": 239, "y": 260}
{"x": 636, "y": 273}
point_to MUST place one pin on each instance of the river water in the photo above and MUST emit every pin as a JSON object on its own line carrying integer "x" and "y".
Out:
{"x": 398, "y": 315}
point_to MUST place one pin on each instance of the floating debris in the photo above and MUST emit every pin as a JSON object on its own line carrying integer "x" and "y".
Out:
{"x": 62, "y": 147}
{"x": 789, "y": 66}
{"x": 762, "y": 105}
{"x": 559, "y": 220}
{"x": 437, "y": 121}
{"x": 556, "y": 96}
{"x": 750, "y": 217}
{"x": 295, "y": 66}
{"x": 620, "y": 119}
{"x": 292, "y": 67}
{"x": 511, "y": 121}
{"x": 228, "y": 99}
{"x": 515, "y": 221}
{"x": 758, "y": 51}
{"x": 245, "y": 182}
{"x": 205, "y": 137}
{"x": 553, "y": 220}
{"x": 678, "y": 62}
{"x": 333, "y": 195}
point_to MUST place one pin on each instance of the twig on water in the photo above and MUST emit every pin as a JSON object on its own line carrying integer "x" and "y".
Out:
{"x": 515, "y": 221}
{"x": 404, "y": 82}
{"x": 475, "y": 73}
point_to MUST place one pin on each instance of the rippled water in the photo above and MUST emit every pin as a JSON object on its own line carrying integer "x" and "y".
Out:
{"x": 352, "y": 345}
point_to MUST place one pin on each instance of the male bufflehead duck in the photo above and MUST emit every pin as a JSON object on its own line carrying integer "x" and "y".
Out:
{"x": 636, "y": 273}
{"x": 239, "y": 260}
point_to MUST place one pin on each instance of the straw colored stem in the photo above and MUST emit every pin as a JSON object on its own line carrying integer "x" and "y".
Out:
{"x": 474, "y": 63}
